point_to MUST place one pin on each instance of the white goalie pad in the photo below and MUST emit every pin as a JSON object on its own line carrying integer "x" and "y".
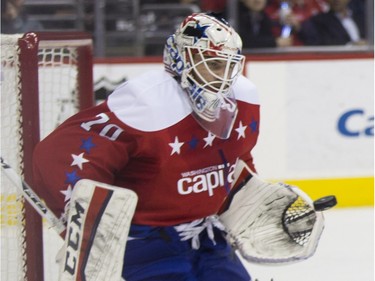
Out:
{"x": 97, "y": 231}
{"x": 270, "y": 223}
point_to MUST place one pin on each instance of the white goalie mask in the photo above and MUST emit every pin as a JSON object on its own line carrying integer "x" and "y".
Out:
{"x": 204, "y": 55}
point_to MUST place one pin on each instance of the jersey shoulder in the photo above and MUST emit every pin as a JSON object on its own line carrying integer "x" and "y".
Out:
{"x": 245, "y": 90}
{"x": 150, "y": 102}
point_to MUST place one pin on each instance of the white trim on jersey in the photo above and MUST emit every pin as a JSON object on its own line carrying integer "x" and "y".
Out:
{"x": 150, "y": 102}
{"x": 245, "y": 90}
{"x": 155, "y": 101}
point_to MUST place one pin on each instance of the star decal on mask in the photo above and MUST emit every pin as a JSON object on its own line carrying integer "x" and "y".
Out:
{"x": 241, "y": 131}
{"x": 201, "y": 32}
{"x": 176, "y": 146}
{"x": 79, "y": 160}
{"x": 209, "y": 139}
{"x": 196, "y": 32}
{"x": 67, "y": 193}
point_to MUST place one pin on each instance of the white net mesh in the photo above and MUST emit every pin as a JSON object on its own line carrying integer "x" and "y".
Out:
{"x": 57, "y": 86}
{"x": 12, "y": 230}
{"x": 58, "y": 99}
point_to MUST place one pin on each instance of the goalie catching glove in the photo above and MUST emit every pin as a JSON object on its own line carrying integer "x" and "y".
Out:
{"x": 270, "y": 223}
{"x": 98, "y": 226}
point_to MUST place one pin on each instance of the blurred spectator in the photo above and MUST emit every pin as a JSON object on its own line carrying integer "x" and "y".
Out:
{"x": 255, "y": 27}
{"x": 357, "y": 6}
{"x": 216, "y": 6}
{"x": 291, "y": 13}
{"x": 14, "y": 19}
{"x": 339, "y": 26}
{"x": 194, "y": 2}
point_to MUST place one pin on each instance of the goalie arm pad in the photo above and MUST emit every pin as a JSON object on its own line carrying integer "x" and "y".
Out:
{"x": 97, "y": 231}
{"x": 270, "y": 223}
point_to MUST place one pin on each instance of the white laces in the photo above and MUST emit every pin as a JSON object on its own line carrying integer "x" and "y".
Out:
{"x": 193, "y": 229}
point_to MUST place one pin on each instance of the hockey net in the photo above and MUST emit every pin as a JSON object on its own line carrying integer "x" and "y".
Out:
{"x": 45, "y": 78}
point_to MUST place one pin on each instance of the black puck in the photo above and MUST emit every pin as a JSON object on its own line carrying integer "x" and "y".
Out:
{"x": 325, "y": 203}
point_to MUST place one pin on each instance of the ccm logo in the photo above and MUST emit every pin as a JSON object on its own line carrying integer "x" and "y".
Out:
{"x": 355, "y": 123}
{"x": 74, "y": 238}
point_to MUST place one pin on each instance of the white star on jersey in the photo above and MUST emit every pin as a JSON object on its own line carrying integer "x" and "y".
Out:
{"x": 241, "y": 131}
{"x": 67, "y": 193}
{"x": 176, "y": 146}
{"x": 79, "y": 160}
{"x": 209, "y": 139}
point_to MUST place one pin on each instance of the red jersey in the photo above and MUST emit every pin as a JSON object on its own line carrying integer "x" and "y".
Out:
{"x": 144, "y": 138}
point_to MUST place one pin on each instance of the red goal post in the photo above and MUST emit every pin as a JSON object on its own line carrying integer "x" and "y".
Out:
{"x": 45, "y": 78}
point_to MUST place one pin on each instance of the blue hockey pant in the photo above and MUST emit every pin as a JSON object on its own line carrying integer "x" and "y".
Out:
{"x": 159, "y": 254}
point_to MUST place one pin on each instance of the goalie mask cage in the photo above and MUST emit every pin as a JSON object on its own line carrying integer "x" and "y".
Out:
{"x": 45, "y": 78}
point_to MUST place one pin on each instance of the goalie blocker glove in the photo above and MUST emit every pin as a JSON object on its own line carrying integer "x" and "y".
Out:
{"x": 270, "y": 223}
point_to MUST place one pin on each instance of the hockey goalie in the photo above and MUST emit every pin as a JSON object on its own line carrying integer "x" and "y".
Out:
{"x": 181, "y": 138}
